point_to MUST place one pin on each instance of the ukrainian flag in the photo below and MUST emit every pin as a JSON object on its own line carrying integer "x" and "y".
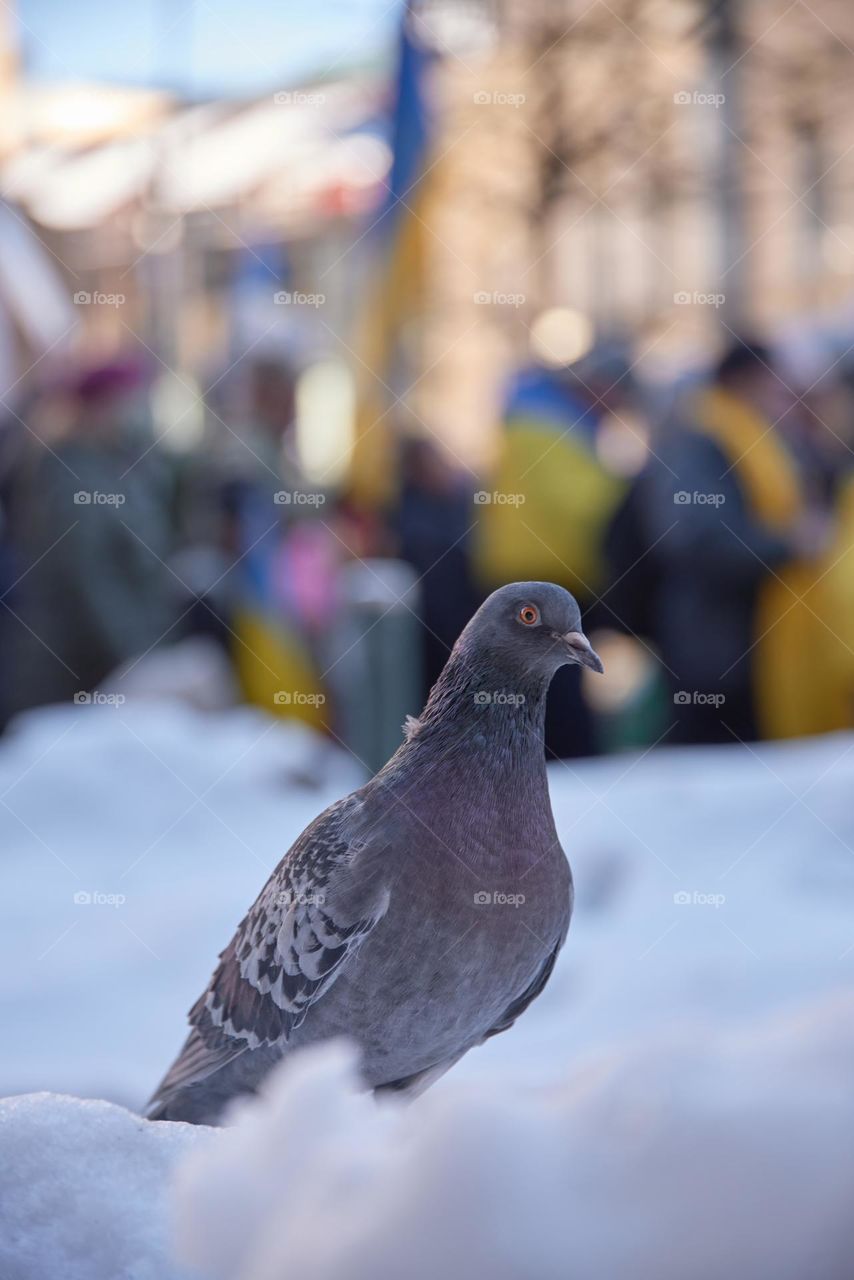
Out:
{"x": 396, "y": 295}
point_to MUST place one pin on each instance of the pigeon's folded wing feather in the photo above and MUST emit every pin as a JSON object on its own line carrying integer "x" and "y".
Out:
{"x": 309, "y": 919}
{"x": 196, "y": 1061}
{"x": 535, "y": 988}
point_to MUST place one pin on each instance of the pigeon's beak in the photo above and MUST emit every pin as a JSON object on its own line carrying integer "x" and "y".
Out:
{"x": 582, "y": 651}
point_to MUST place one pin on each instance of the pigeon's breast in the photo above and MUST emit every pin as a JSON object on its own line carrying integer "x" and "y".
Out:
{"x": 454, "y": 951}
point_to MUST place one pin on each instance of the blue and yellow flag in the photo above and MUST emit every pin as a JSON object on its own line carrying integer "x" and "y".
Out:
{"x": 396, "y": 293}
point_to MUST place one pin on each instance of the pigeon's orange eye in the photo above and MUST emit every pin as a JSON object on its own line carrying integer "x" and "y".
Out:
{"x": 529, "y": 614}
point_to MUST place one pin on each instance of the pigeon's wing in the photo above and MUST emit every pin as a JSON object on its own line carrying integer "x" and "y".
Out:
{"x": 310, "y": 918}
{"x": 520, "y": 1004}
{"x": 196, "y": 1061}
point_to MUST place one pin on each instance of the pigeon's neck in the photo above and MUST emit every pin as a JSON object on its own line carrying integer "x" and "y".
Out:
{"x": 478, "y": 693}
{"x": 480, "y": 737}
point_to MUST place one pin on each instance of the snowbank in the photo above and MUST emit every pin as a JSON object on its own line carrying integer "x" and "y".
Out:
{"x": 84, "y": 1190}
{"x": 709, "y": 1156}
{"x": 706, "y": 1156}
{"x": 677, "y": 1098}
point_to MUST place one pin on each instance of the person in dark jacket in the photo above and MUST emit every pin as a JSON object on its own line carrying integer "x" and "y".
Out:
{"x": 722, "y": 516}
{"x": 432, "y": 522}
{"x": 90, "y": 522}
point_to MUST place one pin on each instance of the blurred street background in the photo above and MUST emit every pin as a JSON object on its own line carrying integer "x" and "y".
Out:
{"x": 317, "y": 324}
{"x": 316, "y": 327}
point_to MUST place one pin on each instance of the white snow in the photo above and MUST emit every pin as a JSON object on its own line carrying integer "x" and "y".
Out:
{"x": 677, "y": 1103}
{"x": 706, "y": 1157}
{"x": 85, "y": 1190}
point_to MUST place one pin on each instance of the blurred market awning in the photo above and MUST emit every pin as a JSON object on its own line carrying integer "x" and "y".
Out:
{"x": 86, "y": 152}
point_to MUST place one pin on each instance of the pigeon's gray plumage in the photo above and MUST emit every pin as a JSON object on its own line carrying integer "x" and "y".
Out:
{"x": 421, "y": 914}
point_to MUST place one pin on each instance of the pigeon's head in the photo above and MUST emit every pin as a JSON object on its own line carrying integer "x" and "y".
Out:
{"x": 532, "y": 627}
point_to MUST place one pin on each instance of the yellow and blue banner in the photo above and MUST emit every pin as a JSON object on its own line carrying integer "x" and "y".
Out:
{"x": 396, "y": 294}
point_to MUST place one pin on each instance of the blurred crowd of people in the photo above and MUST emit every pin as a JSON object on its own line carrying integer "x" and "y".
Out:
{"x": 724, "y": 554}
{"x": 707, "y": 531}
{"x": 722, "y": 549}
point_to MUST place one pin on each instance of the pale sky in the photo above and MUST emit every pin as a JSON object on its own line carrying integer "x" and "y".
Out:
{"x": 206, "y": 48}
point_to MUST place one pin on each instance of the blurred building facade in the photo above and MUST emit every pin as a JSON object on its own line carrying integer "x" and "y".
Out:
{"x": 656, "y": 167}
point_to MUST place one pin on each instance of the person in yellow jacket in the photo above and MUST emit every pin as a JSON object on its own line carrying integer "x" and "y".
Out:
{"x": 751, "y": 612}
{"x": 545, "y": 509}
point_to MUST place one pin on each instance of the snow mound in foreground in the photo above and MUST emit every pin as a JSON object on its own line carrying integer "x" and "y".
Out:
{"x": 84, "y": 1190}
{"x": 707, "y": 1155}
{"x": 700, "y": 1155}
{"x": 675, "y": 1106}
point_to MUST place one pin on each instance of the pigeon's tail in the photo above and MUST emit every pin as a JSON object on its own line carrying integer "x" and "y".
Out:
{"x": 188, "y": 1107}
{"x": 157, "y": 1109}
{"x": 193, "y": 1088}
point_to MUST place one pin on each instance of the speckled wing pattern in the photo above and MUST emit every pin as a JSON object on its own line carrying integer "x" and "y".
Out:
{"x": 285, "y": 955}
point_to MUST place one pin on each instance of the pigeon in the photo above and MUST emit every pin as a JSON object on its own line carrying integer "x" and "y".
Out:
{"x": 421, "y": 914}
